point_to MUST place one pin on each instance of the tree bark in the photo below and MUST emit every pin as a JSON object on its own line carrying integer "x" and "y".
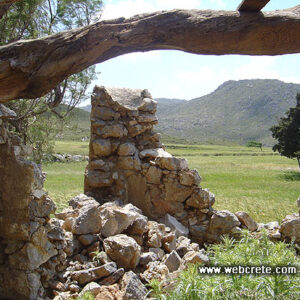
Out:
{"x": 5, "y": 5}
{"x": 30, "y": 69}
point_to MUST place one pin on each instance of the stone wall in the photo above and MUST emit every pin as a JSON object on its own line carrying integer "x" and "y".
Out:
{"x": 128, "y": 162}
{"x": 24, "y": 220}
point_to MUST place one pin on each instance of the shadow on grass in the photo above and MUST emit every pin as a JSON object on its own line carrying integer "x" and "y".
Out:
{"x": 291, "y": 176}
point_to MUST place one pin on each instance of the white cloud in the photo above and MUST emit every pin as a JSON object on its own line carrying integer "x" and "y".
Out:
{"x": 207, "y": 78}
{"x": 128, "y": 8}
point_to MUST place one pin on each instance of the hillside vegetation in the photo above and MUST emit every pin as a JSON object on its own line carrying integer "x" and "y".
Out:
{"x": 236, "y": 112}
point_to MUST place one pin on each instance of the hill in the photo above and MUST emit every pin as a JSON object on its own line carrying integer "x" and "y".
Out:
{"x": 237, "y": 111}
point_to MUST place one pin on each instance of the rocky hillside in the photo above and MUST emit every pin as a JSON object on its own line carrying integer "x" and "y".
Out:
{"x": 237, "y": 111}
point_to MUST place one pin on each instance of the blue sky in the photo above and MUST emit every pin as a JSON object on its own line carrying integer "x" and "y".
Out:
{"x": 175, "y": 74}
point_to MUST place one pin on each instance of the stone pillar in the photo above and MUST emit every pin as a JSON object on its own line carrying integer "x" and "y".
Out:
{"x": 128, "y": 162}
{"x": 24, "y": 216}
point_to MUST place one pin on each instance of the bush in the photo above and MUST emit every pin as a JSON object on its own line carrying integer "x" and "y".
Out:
{"x": 248, "y": 251}
{"x": 254, "y": 144}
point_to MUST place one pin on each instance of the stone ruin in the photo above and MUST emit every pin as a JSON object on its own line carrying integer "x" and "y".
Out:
{"x": 144, "y": 214}
{"x": 128, "y": 162}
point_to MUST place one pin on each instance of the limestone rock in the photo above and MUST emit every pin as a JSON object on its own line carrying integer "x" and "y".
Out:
{"x": 88, "y": 220}
{"x": 129, "y": 163}
{"x": 155, "y": 270}
{"x": 102, "y": 147}
{"x": 154, "y": 175}
{"x": 56, "y": 232}
{"x": 183, "y": 245}
{"x": 88, "y": 239}
{"x": 153, "y": 153}
{"x": 111, "y": 292}
{"x": 155, "y": 234}
{"x": 175, "y": 225}
{"x": 6, "y": 113}
{"x": 80, "y": 201}
{"x": 114, "y": 277}
{"x": 193, "y": 257}
{"x": 127, "y": 149}
{"x": 93, "y": 287}
{"x": 34, "y": 253}
{"x": 290, "y": 228}
{"x": 200, "y": 199}
{"x": 112, "y": 131}
{"x": 104, "y": 113}
{"x": 98, "y": 179}
{"x": 123, "y": 249}
{"x": 132, "y": 287}
{"x": 147, "y": 257}
{"x": 173, "y": 261}
{"x": 189, "y": 177}
{"x": 171, "y": 163}
{"x": 222, "y": 222}
{"x": 169, "y": 242}
{"x": 116, "y": 219}
{"x": 93, "y": 274}
{"x": 246, "y": 220}
{"x": 148, "y": 105}
{"x": 160, "y": 253}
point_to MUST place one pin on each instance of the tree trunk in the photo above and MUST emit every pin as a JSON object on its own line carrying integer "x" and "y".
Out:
{"x": 298, "y": 159}
{"x": 30, "y": 69}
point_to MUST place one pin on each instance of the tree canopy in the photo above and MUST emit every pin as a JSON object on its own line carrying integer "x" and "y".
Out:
{"x": 287, "y": 133}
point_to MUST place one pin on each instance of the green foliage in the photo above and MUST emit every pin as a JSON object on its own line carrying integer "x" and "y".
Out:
{"x": 37, "y": 18}
{"x": 287, "y": 133}
{"x": 254, "y": 144}
{"x": 237, "y": 111}
{"x": 248, "y": 251}
{"x": 86, "y": 296}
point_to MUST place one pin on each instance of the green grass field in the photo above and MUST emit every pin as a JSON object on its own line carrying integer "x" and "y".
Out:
{"x": 261, "y": 183}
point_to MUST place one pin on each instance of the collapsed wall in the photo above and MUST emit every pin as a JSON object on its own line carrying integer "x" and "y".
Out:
{"x": 128, "y": 162}
{"x": 25, "y": 226}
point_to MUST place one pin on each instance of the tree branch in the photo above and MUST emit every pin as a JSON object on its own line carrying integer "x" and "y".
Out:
{"x": 30, "y": 69}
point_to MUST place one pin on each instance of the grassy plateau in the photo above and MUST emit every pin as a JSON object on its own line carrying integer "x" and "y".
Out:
{"x": 261, "y": 183}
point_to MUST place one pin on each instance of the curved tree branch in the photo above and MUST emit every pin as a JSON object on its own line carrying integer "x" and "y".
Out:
{"x": 31, "y": 68}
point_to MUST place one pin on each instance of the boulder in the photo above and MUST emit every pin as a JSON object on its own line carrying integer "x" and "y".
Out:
{"x": 56, "y": 232}
{"x": 80, "y": 201}
{"x": 123, "y": 249}
{"x": 193, "y": 257}
{"x": 113, "y": 278}
{"x": 93, "y": 288}
{"x": 201, "y": 198}
{"x": 173, "y": 261}
{"x": 153, "y": 153}
{"x": 88, "y": 220}
{"x": 116, "y": 219}
{"x": 246, "y": 220}
{"x": 104, "y": 113}
{"x": 175, "y": 225}
{"x": 129, "y": 163}
{"x": 155, "y": 270}
{"x": 132, "y": 287}
{"x": 147, "y": 257}
{"x": 102, "y": 147}
{"x": 290, "y": 228}
{"x": 171, "y": 163}
{"x": 189, "y": 177}
{"x": 98, "y": 179}
{"x": 160, "y": 253}
{"x": 155, "y": 234}
{"x": 169, "y": 242}
{"x": 93, "y": 274}
{"x": 222, "y": 222}
{"x": 112, "y": 131}
{"x": 88, "y": 239}
{"x": 111, "y": 292}
{"x": 127, "y": 149}
{"x": 154, "y": 175}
